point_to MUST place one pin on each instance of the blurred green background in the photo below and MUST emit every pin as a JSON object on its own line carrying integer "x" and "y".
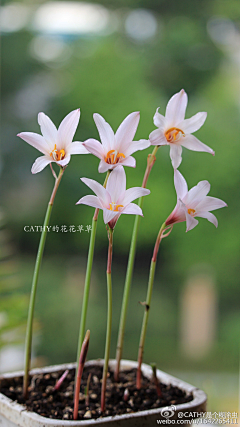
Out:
{"x": 116, "y": 57}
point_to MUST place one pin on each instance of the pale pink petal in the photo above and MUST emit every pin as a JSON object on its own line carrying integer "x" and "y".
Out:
{"x": 127, "y": 130}
{"x": 76, "y": 148}
{"x": 94, "y": 147}
{"x": 132, "y": 209}
{"x": 48, "y": 129}
{"x": 176, "y": 107}
{"x": 105, "y": 132}
{"x": 36, "y": 141}
{"x": 116, "y": 184}
{"x": 103, "y": 166}
{"x": 191, "y": 222}
{"x": 129, "y": 161}
{"x": 134, "y": 193}
{"x": 157, "y": 137}
{"x": 65, "y": 161}
{"x": 177, "y": 215}
{"x": 192, "y": 143}
{"x": 136, "y": 146}
{"x": 98, "y": 189}
{"x": 209, "y": 216}
{"x": 108, "y": 215}
{"x": 196, "y": 194}
{"x": 159, "y": 120}
{"x": 67, "y": 129}
{"x": 176, "y": 155}
{"x": 113, "y": 221}
{"x": 180, "y": 184}
{"x": 40, "y": 163}
{"x": 90, "y": 201}
{"x": 210, "y": 204}
{"x": 193, "y": 124}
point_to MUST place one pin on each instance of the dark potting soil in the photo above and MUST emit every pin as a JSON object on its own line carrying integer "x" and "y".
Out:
{"x": 59, "y": 404}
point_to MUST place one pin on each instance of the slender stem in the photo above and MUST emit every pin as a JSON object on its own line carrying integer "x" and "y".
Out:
{"x": 150, "y": 162}
{"x": 148, "y": 304}
{"x": 88, "y": 276}
{"x": 82, "y": 359}
{"x": 28, "y": 341}
{"x": 109, "y": 320}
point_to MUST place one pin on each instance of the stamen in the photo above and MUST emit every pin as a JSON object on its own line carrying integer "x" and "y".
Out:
{"x": 57, "y": 155}
{"x": 174, "y": 134}
{"x": 191, "y": 212}
{"x": 114, "y": 207}
{"x": 113, "y": 157}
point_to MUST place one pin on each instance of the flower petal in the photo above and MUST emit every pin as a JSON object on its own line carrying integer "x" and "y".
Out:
{"x": 209, "y": 216}
{"x": 103, "y": 166}
{"x": 116, "y": 185}
{"x": 132, "y": 209}
{"x": 67, "y": 129}
{"x": 157, "y": 137}
{"x": 196, "y": 194}
{"x": 129, "y": 161}
{"x": 36, "y": 141}
{"x": 136, "y": 146}
{"x": 176, "y": 155}
{"x": 192, "y": 143}
{"x": 176, "y": 107}
{"x": 180, "y": 184}
{"x": 159, "y": 120}
{"x": 90, "y": 201}
{"x": 194, "y": 123}
{"x": 134, "y": 193}
{"x": 65, "y": 161}
{"x": 40, "y": 163}
{"x": 127, "y": 130}
{"x": 48, "y": 130}
{"x": 94, "y": 147}
{"x": 98, "y": 189}
{"x": 210, "y": 204}
{"x": 108, "y": 215}
{"x": 191, "y": 222}
{"x": 105, "y": 132}
{"x": 76, "y": 147}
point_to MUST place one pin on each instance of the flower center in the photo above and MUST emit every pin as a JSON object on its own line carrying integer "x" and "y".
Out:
{"x": 113, "y": 157}
{"x": 57, "y": 155}
{"x": 174, "y": 134}
{"x": 191, "y": 212}
{"x": 114, "y": 207}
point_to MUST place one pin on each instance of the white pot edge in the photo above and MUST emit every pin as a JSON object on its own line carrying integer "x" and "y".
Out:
{"x": 17, "y": 413}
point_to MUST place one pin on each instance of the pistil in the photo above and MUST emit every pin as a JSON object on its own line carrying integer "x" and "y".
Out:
{"x": 113, "y": 157}
{"x": 174, "y": 134}
{"x": 57, "y": 155}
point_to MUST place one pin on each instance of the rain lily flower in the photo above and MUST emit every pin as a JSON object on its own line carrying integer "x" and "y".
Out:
{"x": 173, "y": 130}
{"x": 116, "y": 149}
{"x": 114, "y": 200}
{"x": 192, "y": 203}
{"x": 55, "y": 144}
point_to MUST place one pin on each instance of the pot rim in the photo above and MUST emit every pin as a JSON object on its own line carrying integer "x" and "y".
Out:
{"x": 196, "y": 406}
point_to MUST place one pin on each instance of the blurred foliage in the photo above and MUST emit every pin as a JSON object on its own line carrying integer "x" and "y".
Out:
{"x": 115, "y": 75}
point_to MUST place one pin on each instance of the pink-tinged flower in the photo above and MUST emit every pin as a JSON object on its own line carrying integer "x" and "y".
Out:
{"x": 192, "y": 203}
{"x": 173, "y": 130}
{"x": 116, "y": 149}
{"x": 114, "y": 200}
{"x": 55, "y": 144}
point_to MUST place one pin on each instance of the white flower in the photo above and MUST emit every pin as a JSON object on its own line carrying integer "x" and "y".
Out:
{"x": 114, "y": 200}
{"x": 116, "y": 149}
{"x": 55, "y": 144}
{"x": 173, "y": 130}
{"x": 192, "y": 203}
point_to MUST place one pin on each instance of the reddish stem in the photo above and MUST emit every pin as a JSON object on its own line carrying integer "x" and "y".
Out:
{"x": 82, "y": 360}
{"x": 60, "y": 381}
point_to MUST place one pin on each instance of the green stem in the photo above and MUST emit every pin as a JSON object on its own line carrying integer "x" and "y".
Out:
{"x": 148, "y": 304}
{"x": 28, "y": 341}
{"x": 88, "y": 276}
{"x": 150, "y": 162}
{"x": 109, "y": 320}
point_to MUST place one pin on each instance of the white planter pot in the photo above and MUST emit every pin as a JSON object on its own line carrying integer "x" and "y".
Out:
{"x": 13, "y": 414}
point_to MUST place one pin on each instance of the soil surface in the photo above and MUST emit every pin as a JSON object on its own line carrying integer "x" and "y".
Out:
{"x": 121, "y": 397}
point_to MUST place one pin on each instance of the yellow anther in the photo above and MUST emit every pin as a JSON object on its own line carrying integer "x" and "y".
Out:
{"x": 174, "y": 134}
{"x": 57, "y": 155}
{"x": 113, "y": 157}
{"x": 191, "y": 211}
{"x": 114, "y": 207}
{"x": 117, "y": 207}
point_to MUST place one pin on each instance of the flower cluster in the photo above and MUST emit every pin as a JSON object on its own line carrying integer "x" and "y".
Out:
{"x": 115, "y": 152}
